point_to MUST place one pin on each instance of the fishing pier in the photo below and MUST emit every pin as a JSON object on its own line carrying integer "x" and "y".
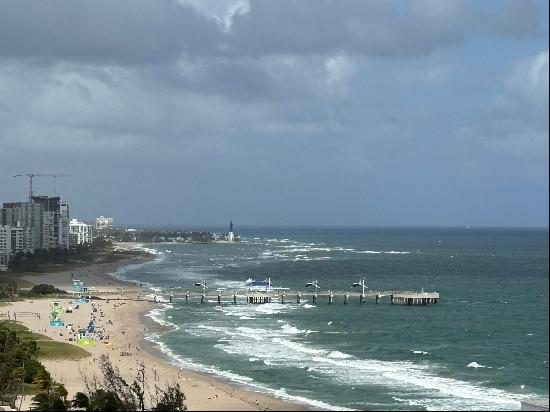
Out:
{"x": 264, "y": 292}
{"x": 254, "y": 297}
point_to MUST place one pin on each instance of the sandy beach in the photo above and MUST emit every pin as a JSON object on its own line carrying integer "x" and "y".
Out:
{"x": 123, "y": 328}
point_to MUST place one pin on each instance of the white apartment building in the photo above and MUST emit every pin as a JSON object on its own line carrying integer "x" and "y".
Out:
{"x": 18, "y": 237}
{"x": 80, "y": 232}
{"x": 103, "y": 222}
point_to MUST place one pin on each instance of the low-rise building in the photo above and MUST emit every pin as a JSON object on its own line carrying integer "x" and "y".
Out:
{"x": 103, "y": 223}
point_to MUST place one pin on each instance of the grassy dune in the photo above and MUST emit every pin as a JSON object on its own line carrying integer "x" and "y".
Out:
{"x": 49, "y": 349}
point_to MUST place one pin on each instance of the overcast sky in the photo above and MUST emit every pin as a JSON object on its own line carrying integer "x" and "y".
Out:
{"x": 280, "y": 112}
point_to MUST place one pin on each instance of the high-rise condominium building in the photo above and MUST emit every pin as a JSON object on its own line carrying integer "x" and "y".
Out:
{"x": 28, "y": 215}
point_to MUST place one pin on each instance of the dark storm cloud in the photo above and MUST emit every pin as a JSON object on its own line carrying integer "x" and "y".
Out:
{"x": 138, "y": 32}
{"x": 345, "y": 112}
{"x": 123, "y": 32}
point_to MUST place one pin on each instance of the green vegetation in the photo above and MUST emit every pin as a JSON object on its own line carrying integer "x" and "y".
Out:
{"x": 52, "y": 260}
{"x": 47, "y": 348}
{"x": 50, "y": 349}
{"x": 9, "y": 291}
{"x": 23, "y": 332}
{"x": 154, "y": 236}
{"x": 21, "y": 372}
{"x": 43, "y": 289}
{"x": 115, "y": 394}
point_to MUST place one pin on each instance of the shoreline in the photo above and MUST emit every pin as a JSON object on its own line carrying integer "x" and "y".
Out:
{"x": 204, "y": 390}
{"x": 154, "y": 349}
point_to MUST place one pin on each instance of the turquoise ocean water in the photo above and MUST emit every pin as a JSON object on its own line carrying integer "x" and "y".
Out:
{"x": 483, "y": 346}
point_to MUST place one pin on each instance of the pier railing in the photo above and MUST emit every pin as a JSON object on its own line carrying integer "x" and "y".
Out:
{"x": 397, "y": 297}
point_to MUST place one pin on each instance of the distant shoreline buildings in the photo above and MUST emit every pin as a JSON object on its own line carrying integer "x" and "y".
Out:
{"x": 103, "y": 223}
{"x": 42, "y": 223}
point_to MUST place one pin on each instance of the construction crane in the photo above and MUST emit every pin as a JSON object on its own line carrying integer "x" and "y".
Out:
{"x": 31, "y": 175}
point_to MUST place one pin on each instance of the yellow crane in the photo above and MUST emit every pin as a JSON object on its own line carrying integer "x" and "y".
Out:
{"x": 31, "y": 175}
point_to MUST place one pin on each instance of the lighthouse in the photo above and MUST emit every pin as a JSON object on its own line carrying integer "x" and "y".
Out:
{"x": 231, "y": 235}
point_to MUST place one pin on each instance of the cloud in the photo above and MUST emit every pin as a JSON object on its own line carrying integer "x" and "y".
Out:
{"x": 514, "y": 121}
{"x": 527, "y": 79}
{"x": 102, "y": 31}
{"x": 523, "y": 92}
{"x": 311, "y": 98}
{"x": 159, "y": 32}
{"x": 221, "y": 11}
{"x": 339, "y": 69}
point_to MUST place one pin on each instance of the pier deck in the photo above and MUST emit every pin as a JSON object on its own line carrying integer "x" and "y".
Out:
{"x": 252, "y": 297}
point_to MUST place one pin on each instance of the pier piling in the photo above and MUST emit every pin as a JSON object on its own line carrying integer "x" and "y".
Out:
{"x": 407, "y": 298}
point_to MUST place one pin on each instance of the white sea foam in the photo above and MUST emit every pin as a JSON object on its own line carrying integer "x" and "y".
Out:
{"x": 442, "y": 393}
{"x": 152, "y": 251}
{"x": 377, "y": 252}
{"x": 420, "y": 352}
{"x": 229, "y": 284}
{"x": 338, "y": 355}
{"x": 288, "y": 350}
{"x": 245, "y": 381}
{"x": 292, "y": 249}
{"x": 158, "y": 315}
{"x": 474, "y": 365}
{"x": 308, "y": 306}
{"x": 273, "y": 308}
{"x": 291, "y": 330}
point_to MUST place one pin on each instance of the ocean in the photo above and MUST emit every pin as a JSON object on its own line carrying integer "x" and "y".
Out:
{"x": 483, "y": 346}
